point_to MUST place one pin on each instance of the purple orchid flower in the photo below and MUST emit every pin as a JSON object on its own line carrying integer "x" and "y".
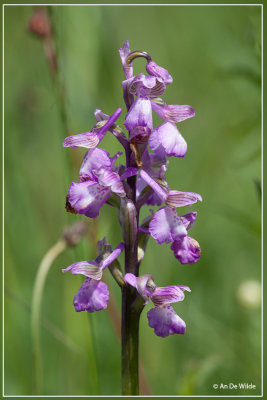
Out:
{"x": 167, "y": 226}
{"x": 91, "y": 139}
{"x": 98, "y": 178}
{"x": 138, "y": 120}
{"x": 141, "y": 181}
{"x": 162, "y": 317}
{"x": 93, "y": 295}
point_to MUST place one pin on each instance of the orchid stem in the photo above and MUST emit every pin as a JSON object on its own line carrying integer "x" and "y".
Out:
{"x": 36, "y": 309}
{"x": 130, "y": 315}
{"x": 130, "y": 339}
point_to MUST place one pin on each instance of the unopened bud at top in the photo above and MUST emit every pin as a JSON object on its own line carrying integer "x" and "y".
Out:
{"x": 39, "y": 24}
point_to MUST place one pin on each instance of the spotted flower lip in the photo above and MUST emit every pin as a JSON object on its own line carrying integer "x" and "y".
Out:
{"x": 93, "y": 138}
{"x": 92, "y": 296}
{"x": 186, "y": 250}
{"x": 167, "y": 226}
{"x": 98, "y": 179}
{"x": 165, "y": 321}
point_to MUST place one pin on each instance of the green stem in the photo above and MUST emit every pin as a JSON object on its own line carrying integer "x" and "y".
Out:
{"x": 36, "y": 310}
{"x": 130, "y": 339}
{"x": 130, "y": 313}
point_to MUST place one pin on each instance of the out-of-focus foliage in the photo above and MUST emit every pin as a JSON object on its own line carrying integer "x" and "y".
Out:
{"x": 213, "y": 54}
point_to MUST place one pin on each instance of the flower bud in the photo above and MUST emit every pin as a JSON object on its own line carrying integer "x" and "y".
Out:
{"x": 39, "y": 24}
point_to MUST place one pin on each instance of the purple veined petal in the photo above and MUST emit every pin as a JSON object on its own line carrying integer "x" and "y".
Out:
{"x": 89, "y": 269}
{"x": 167, "y": 140}
{"x": 110, "y": 180}
{"x": 140, "y": 114}
{"x": 166, "y": 226}
{"x": 111, "y": 257}
{"x": 91, "y": 139}
{"x": 94, "y": 159}
{"x": 92, "y": 296}
{"x": 176, "y": 198}
{"x": 173, "y": 113}
{"x": 130, "y": 171}
{"x": 155, "y": 70}
{"x": 165, "y": 321}
{"x": 124, "y": 52}
{"x": 189, "y": 219}
{"x": 87, "y": 197}
{"x": 186, "y": 250}
{"x": 168, "y": 294}
{"x": 88, "y": 140}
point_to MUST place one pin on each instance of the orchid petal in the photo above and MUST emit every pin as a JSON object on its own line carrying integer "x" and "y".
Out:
{"x": 165, "y": 321}
{"x": 89, "y": 269}
{"x": 173, "y": 113}
{"x": 88, "y": 140}
{"x": 189, "y": 219}
{"x": 94, "y": 159}
{"x": 168, "y": 294}
{"x": 87, "y": 197}
{"x": 92, "y": 296}
{"x": 111, "y": 180}
{"x": 140, "y": 114}
{"x": 167, "y": 139}
{"x": 186, "y": 250}
{"x": 159, "y": 72}
{"x": 167, "y": 226}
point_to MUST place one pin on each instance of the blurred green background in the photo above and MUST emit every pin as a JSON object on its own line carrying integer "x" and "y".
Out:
{"x": 213, "y": 54}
